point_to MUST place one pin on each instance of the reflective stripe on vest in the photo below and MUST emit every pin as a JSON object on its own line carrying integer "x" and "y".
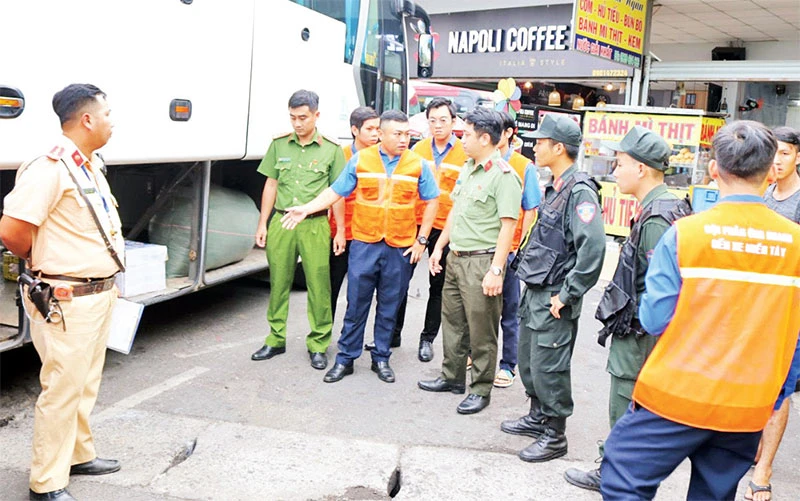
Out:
{"x": 446, "y": 175}
{"x": 519, "y": 163}
{"x": 349, "y": 203}
{"x": 384, "y": 205}
{"x": 725, "y": 354}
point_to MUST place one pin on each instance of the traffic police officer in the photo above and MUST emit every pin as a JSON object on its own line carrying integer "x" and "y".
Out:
{"x": 298, "y": 166}
{"x": 47, "y": 220}
{"x": 364, "y": 126}
{"x": 642, "y": 158}
{"x": 560, "y": 261}
{"x": 446, "y": 153}
{"x": 387, "y": 179}
{"x": 479, "y": 229}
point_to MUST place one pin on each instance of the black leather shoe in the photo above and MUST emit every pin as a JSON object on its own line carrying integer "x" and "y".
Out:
{"x": 59, "y": 495}
{"x": 425, "y": 351}
{"x": 526, "y": 425}
{"x": 96, "y": 466}
{"x": 384, "y": 372}
{"x": 318, "y": 360}
{"x": 369, "y": 346}
{"x": 267, "y": 352}
{"x": 473, "y": 404}
{"x": 337, "y": 372}
{"x": 584, "y": 479}
{"x": 440, "y": 384}
{"x": 550, "y": 445}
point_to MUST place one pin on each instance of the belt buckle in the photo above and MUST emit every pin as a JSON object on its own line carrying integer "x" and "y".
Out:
{"x": 63, "y": 292}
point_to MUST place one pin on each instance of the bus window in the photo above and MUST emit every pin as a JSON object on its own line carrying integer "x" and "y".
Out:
{"x": 345, "y": 11}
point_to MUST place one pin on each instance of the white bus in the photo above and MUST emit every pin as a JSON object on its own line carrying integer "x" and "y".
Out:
{"x": 198, "y": 90}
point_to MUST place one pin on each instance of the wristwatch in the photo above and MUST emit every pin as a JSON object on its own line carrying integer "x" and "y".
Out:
{"x": 422, "y": 240}
{"x": 496, "y": 270}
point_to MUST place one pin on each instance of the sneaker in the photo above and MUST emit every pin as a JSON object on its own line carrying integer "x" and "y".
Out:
{"x": 504, "y": 378}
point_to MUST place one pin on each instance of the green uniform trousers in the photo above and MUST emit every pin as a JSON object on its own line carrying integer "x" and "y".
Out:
{"x": 626, "y": 357}
{"x": 310, "y": 240}
{"x": 470, "y": 320}
{"x": 545, "y": 352}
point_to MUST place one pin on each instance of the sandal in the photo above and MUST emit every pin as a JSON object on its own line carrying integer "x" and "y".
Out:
{"x": 504, "y": 378}
{"x": 754, "y": 488}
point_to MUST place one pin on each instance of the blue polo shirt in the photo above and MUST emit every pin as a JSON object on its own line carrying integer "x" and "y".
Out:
{"x": 531, "y": 192}
{"x": 346, "y": 183}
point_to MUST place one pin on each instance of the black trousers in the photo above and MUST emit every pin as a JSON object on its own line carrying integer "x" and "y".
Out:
{"x": 433, "y": 311}
{"x": 338, "y": 266}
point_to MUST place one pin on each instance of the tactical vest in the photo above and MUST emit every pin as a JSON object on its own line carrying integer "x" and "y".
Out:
{"x": 543, "y": 255}
{"x": 618, "y": 305}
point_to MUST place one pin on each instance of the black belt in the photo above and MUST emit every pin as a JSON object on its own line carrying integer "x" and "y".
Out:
{"x": 315, "y": 214}
{"x": 87, "y": 286}
{"x": 481, "y": 252}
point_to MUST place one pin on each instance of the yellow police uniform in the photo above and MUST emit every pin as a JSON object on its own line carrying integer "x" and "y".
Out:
{"x": 67, "y": 242}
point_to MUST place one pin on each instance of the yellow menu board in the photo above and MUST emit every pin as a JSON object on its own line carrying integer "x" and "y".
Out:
{"x": 611, "y": 29}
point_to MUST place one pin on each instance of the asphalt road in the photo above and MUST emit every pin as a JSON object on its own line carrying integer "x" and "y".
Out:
{"x": 192, "y": 417}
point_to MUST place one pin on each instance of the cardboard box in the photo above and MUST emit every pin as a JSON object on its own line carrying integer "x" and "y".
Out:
{"x": 145, "y": 269}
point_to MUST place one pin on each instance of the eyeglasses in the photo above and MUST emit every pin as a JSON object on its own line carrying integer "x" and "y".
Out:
{"x": 441, "y": 121}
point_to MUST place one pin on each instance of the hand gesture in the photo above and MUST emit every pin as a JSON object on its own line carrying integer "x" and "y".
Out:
{"x": 261, "y": 235}
{"x": 555, "y": 306}
{"x": 492, "y": 284}
{"x": 416, "y": 251}
{"x": 293, "y": 217}
{"x": 433, "y": 263}
{"x": 339, "y": 242}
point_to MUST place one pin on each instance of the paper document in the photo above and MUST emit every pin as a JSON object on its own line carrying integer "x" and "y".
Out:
{"x": 124, "y": 323}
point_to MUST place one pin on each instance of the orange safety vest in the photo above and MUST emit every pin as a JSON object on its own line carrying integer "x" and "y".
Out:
{"x": 349, "y": 203}
{"x": 446, "y": 175}
{"x": 725, "y": 354}
{"x": 384, "y": 206}
{"x": 519, "y": 163}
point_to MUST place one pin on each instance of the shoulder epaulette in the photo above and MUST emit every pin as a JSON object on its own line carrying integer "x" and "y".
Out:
{"x": 330, "y": 140}
{"x": 56, "y": 153}
{"x": 282, "y": 134}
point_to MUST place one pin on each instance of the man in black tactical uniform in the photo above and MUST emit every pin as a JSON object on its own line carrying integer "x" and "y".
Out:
{"x": 560, "y": 261}
{"x": 642, "y": 158}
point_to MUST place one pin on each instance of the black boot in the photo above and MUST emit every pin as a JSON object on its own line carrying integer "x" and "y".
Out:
{"x": 550, "y": 445}
{"x": 532, "y": 424}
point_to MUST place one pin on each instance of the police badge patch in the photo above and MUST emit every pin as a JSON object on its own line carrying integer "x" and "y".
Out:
{"x": 586, "y": 211}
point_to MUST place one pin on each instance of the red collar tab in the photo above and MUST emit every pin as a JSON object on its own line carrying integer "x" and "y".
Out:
{"x": 77, "y": 158}
{"x": 487, "y": 166}
{"x": 558, "y": 184}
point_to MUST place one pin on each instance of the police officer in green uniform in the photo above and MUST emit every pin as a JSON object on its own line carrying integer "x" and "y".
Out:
{"x": 479, "y": 229}
{"x": 559, "y": 262}
{"x": 642, "y": 158}
{"x": 299, "y": 166}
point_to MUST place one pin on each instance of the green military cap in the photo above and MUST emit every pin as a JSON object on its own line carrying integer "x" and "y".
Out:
{"x": 645, "y": 146}
{"x": 559, "y": 128}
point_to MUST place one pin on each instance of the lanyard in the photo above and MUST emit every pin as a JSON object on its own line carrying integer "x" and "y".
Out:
{"x": 91, "y": 180}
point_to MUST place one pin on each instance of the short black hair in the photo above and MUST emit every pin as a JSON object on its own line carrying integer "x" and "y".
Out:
{"x": 486, "y": 121}
{"x": 438, "y": 102}
{"x": 73, "y": 98}
{"x": 393, "y": 116}
{"x": 304, "y": 98}
{"x": 571, "y": 150}
{"x": 508, "y": 123}
{"x": 361, "y": 115}
{"x": 787, "y": 135}
{"x": 744, "y": 149}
